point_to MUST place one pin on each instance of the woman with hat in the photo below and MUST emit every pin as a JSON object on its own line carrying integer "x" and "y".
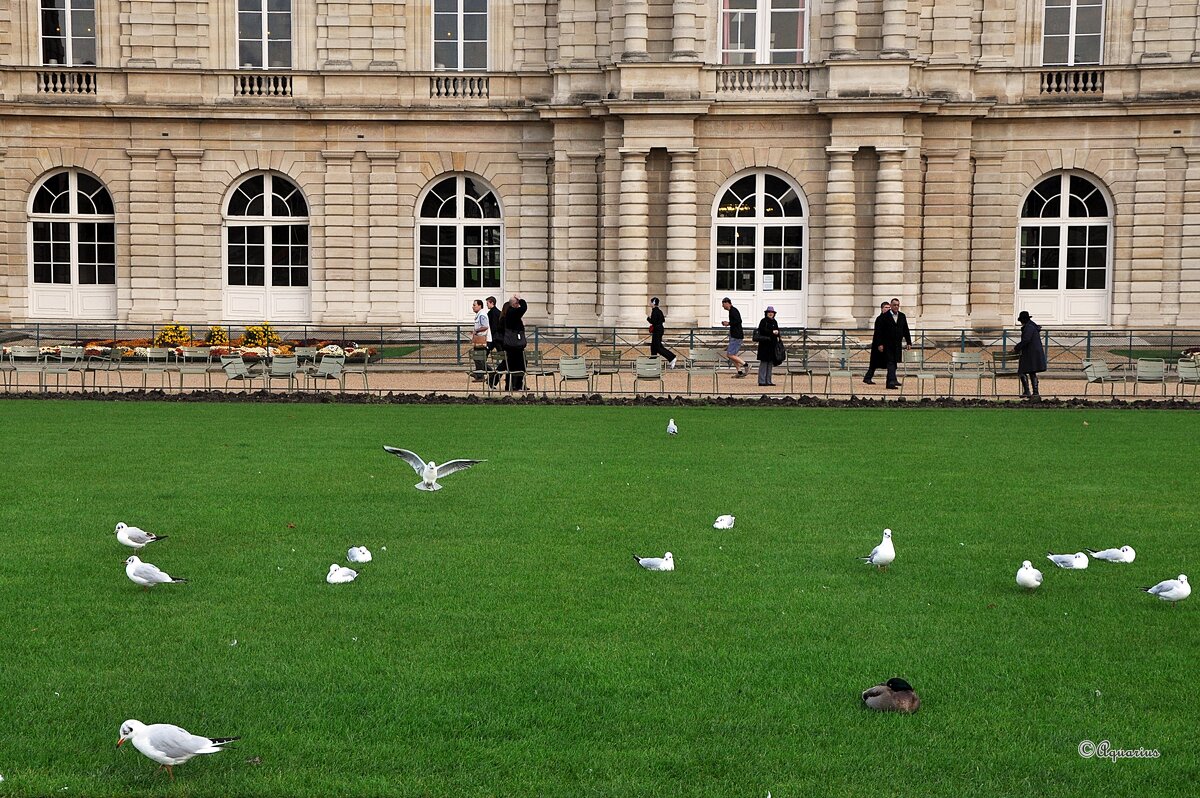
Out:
{"x": 766, "y": 335}
{"x": 1033, "y": 356}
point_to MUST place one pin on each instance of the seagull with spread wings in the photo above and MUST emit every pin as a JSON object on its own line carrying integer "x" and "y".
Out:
{"x": 430, "y": 472}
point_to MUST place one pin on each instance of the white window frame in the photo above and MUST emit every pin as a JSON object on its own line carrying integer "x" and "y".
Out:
{"x": 459, "y": 15}
{"x": 436, "y": 303}
{"x": 69, "y": 39}
{"x": 1073, "y": 5}
{"x": 762, "y": 23}
{"x": 278, "y": 303}
{"x": 1063, "y": 305}
{"x": 71, "y": 300}
{"x": 792, "y": 303}
{"x": 264, "y": 39}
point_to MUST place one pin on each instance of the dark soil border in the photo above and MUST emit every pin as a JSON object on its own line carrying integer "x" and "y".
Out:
{"x": 404, "y": 398}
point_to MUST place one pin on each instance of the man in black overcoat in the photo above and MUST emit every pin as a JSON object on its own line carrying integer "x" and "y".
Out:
{"x": 897, "y": 338}
{"x": 878, "y": 359}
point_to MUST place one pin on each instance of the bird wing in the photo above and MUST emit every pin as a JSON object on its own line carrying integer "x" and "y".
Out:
{"x": 874, "y": 553}
{"x": 412, "y": 458}
{"x": 1037, "y": 575}
{"x": 150, "y": 573}
{"x": 138, "y": 536}
{"x": 446, "y": 469}
{"x": 1165, "y": 586}
{"x": 877, "y": 690}
{"x": 175, "y": 742}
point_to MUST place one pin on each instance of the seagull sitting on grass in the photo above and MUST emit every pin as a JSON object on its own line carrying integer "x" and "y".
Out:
{"x": 671, "y": 428}
{"x": 1123, "y": 554}
{"x": 169, "y": 745}
{"x": 339, "y": 576}
{"x": 430, "y": 472}
{"x": 1029, "y": 577}
{"x": 148, "y": 575}
{"x": 1072, "y": 562}
{"x": 1172, "y": 590}
{"x": 882, "y": 555}
{"x": 358, "y": 554}
{"x": 724, "y": 522}
{"x": 663, "y": 563}
{"x": 135, "y": 538}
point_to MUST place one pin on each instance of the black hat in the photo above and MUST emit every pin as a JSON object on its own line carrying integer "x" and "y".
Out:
{"x": 1023, "y": 316}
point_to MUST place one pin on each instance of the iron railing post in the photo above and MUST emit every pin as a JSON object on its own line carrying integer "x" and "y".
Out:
{"x": 457, "y": 346}
{"x": 1004, "y": 343}
{"x": 1087, "y": 347}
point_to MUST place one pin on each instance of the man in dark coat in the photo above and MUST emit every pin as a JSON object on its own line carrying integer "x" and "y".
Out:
{"x": 878, "y": 358}
{"x": 896, "y": 338}
{"x": 1033, "y": 355}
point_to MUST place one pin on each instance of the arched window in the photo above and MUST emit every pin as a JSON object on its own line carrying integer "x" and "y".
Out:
{"x": 1065, "y": 235}
{"x": 73, "y": 251}
{"x": 760, "y": 231}
{"x": 1072, "y": 32}
{"x": 266, "y": 247}
{"x": 459, "y": 234}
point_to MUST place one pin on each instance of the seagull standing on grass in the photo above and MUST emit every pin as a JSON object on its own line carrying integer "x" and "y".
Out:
{"x": 882, "y": 555}
{"x": 430, "y": 472}
{"x": 135, "y": 538}
{"x": 671, "y": 428}
{"x": 1123, "y": 554}
{"x": 1172, "y": 590}
{"x": 724, "y": 522}
{"x": 1029, "y": 577}
{"x": 1072, "y": 562}
{"x": 339, "y": 576}
{"x": 663, "y": 563}
{"x": 148, "y": 575}
{"x": 167, "y": 744}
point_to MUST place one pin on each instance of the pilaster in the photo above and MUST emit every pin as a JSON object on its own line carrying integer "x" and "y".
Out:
{"x": 199, "y": 262}
{"x": 839, "y": 245}
{"x": 683, "y": 31}
{"x": 339, "y": 266}
{"x": 1148, "y": 230}
{"x": 636, "y": 32}
{"x": 633, "y": 255}
{"x": 895, "y": 29}
{"x": 529, "y": 269}
{"x": 889, "y": 227}
{"x": 383, "y": 247}
{"x": 992, "y": 266}
{"x": 685, "y": 285}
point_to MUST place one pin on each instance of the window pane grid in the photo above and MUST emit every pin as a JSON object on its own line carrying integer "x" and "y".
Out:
{"x": 460, "y": 35}
{"x": 68, "y": 32}
{"x": 455, "y": 249}
{"x": 763, "y": 31}
{"x": 268, "y": 239}
{"x": 264, "y": 34}
{"x": 1072, "y": 32}
{"x": 72, "y": 235}
{"x": 759, "y": 228}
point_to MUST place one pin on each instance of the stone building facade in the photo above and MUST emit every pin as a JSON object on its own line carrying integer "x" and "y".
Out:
{"x": 343, "y": 162}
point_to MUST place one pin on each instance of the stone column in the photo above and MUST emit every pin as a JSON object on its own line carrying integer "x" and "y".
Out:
{"x": 895, "y": 29}
{"x": 1145, "y": 282}
{"x": 527, "y": 266}
{"x": 1189, "y": 250}
{"x": 199, "y": 262}
{"x": 633, "y": 252}
{"x": 845, "y": 29}
{"x": 683, "y": 31}
{"x": 575, "y": 248}
{"x": 840, "y": 218}
{"x": 338, "y": 272}
{"x": 567, "y": 32}
{"x": 889, "y": 228}
{"x": 383, "y": 249}
{"x": 685, "y": 282}
{"x": 636, "y": 33}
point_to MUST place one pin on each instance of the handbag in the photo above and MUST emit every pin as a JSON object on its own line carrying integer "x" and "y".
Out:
{"x": 780, "y": 353}
{"x": 514, "y": 339}
{"x": 478, "y": 339}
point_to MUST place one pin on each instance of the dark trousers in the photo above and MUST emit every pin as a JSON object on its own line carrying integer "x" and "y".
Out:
{"x": 891, "y": 374}
{"x": 657, "y": 348}
{"x": 515, "y": 361}
{"x": 479, "y": 355}
{"x": 1026, "y": 380}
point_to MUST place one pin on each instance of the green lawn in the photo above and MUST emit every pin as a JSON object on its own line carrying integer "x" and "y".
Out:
{"x": 506, "y": 644}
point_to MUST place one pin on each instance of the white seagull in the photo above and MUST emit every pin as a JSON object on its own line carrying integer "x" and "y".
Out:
{"x": 671, "y": 428}
{"x": 1072, "y": 562}
{"x": 358, "y": 554}
{"x": 1028, "y": 576}
{"x": 724, "y": 522}
{"x": 430, "y": 472}
{"x": 663, "y": 563}
{"x": 1172, "y": 590}
{"x": 1123, "y": 554}
{"x": 135, "y": 538}
{"x": 148, "y": 575}
{"x": 167, "y": 744}
{"x": 338, "y": 575}
{"x": 882, "y": 555}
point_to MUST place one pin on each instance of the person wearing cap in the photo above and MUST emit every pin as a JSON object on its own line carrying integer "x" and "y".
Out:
{"x": 878, "y": 357}
{"x": 657, "y": 328}
{"x": 1033, "y": 355}
{"x": 767, "y": 335}
{"x": 736, "y": 336}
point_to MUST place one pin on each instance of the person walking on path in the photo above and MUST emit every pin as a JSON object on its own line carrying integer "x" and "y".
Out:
{"x": 493, "y": 314}
{"x": 878, "y": 358}
{"x": 767, "y": 336}
{"x": 897, "y": 338}
{"x": 514, "y": 342}
{"x": 736, "y": 336}
{"x": 1033, "y": 355}
{"x": 481, "y": 339}
{"x": 657, "y": 327}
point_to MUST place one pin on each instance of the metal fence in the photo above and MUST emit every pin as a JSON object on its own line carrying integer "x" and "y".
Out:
{"x": 442, "y": 346}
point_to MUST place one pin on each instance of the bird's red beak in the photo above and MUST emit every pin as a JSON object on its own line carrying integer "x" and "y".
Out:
{"x": 120, "y": 741}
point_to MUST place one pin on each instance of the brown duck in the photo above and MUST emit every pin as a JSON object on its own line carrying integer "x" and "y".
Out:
{"x": 895, "y": 695}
